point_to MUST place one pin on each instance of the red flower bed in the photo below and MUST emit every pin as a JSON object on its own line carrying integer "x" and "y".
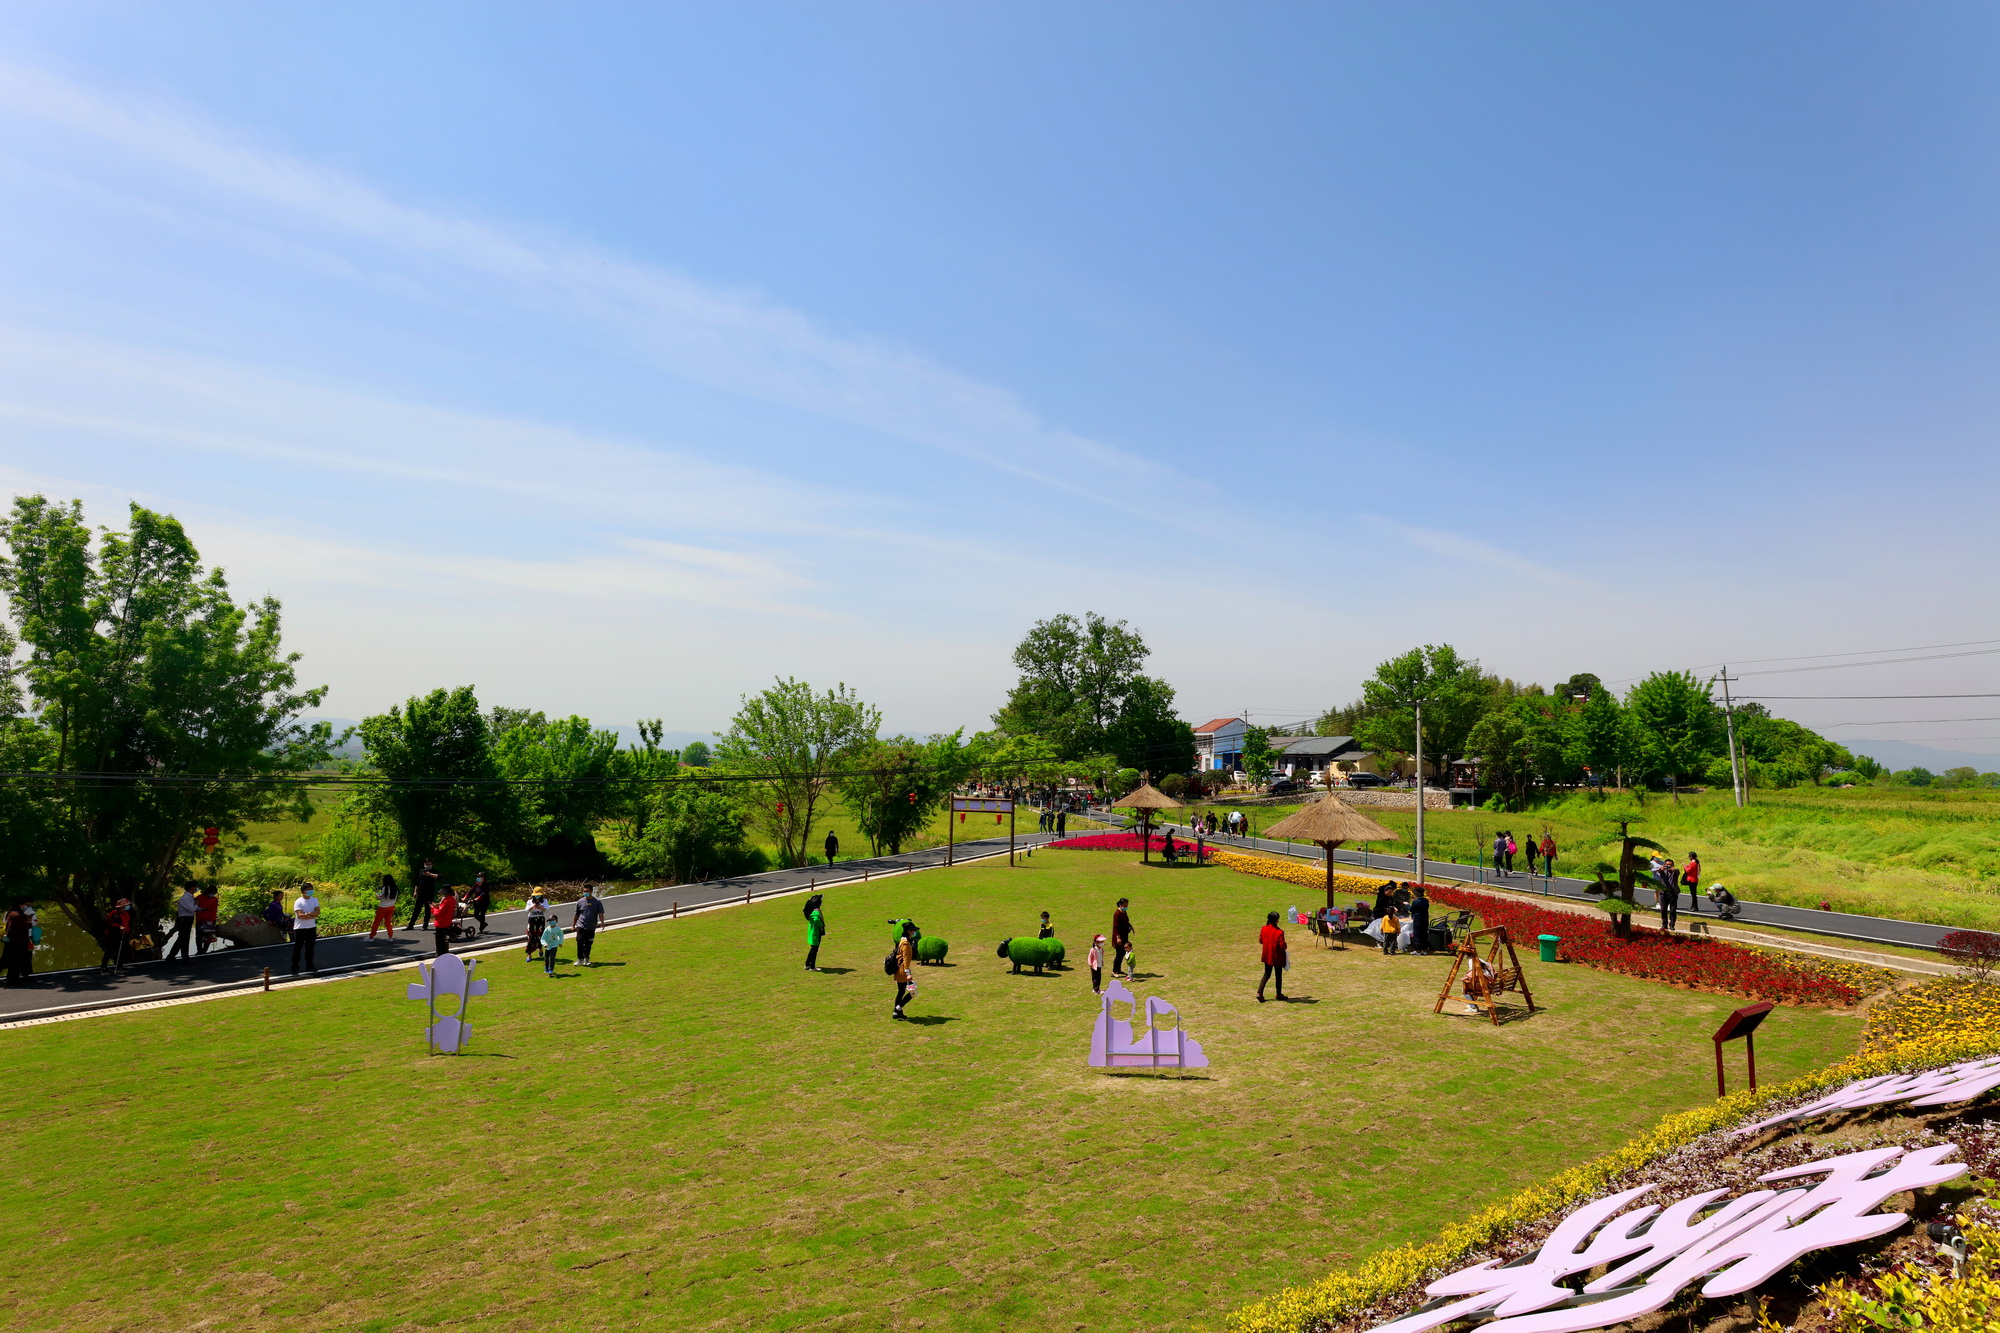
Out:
{"x": 1127, "y": 842}
{"x": 1657, "y": 955}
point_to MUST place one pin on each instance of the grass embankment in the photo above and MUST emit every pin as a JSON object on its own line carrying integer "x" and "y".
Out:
{"x": 1894, "y": 852}
{"x": 702, "y": 1135}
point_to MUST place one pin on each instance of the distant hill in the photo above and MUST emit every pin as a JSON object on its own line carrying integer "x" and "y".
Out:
{"x": 1899, "y": 755}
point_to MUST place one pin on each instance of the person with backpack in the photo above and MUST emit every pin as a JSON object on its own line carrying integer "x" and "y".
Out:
{"x": 385, "y": 908}
{"x": 901, "y": 964}
{"x": 815, "y": 930}
{"x": 424, "y": 889}
{"x": 1271, "y": 940}
{"x": 589, "y": 915}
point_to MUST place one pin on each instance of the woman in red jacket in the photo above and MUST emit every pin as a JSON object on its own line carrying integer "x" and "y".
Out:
{"x": 1272, "y": 937}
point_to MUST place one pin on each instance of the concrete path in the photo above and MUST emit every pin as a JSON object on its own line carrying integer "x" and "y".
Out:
{"x": 1842, "y": 925}
{"x": 53, "y": 994}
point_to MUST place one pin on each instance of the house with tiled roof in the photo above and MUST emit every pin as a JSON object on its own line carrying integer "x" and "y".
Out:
{"x": 1218, "y": 743}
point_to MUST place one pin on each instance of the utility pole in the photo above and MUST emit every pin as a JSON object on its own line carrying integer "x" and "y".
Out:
{"x": 1419, "y": 706}
{"x": 1729, "y": 720}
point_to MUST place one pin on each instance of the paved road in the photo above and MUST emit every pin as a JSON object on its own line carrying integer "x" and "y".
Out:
{"x": 1842, "y": 925}
{"x": 54, "y": 993}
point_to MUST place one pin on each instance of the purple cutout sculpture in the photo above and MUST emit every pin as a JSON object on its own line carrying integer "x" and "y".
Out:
{"x": 1113, "y": 1044}
{"x": 448, "y": 974}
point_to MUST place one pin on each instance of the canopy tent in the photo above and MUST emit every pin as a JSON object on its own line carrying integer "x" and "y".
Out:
{"x": 1146, "y": 800}
{"x": 1330, "y": 821}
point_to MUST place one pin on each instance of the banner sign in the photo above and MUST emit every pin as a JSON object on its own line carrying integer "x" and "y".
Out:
{"x": 982, "y": 807}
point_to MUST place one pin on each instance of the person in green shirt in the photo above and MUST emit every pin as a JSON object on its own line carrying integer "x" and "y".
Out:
{"x": 815, "y": 931}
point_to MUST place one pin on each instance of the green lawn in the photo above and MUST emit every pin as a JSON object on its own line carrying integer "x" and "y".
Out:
{"x": 1897, "y": 852}
{"x": 701, "y": 1135}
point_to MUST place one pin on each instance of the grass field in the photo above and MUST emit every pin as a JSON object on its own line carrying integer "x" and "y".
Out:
{"x": 700, "y": 1135}
{"x": 1894, "y": 852}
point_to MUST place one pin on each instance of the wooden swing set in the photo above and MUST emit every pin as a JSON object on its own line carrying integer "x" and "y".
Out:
{"x": 1486, "y": 979}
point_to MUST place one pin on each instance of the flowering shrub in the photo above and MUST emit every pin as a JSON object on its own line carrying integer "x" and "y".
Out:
{"x": 1975, "y": 951}
{"x": 1947, "y": 1007}
{"x": 1125, "y": 842}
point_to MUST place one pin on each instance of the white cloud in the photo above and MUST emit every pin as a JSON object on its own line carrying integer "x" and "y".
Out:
{"x": 1453, "y": 546}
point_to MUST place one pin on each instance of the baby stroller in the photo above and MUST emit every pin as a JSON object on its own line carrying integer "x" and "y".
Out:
{"x": 464, "y": 925}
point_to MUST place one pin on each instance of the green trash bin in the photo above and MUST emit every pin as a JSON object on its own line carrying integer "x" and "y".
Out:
{"x": 1549, "y": 943}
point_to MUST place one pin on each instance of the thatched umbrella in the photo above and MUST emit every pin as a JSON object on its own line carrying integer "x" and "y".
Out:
{"x": 1146, "y": 800}
{"x": 1330, "y": 821}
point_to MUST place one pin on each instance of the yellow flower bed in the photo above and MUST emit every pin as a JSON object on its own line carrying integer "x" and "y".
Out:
{"x": 1968, "y": 1303}
{"x": 1948, "y": 1006}
{"x": 1343, "y": 1294}
{"x": 1301, "y": 873}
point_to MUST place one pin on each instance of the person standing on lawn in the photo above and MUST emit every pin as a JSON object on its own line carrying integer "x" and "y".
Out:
{"x": 1691, "y": 876}
{"x": 906, "y": 959}
{"x": 815, "y": 930}
{"x": 1048, "y": 932}
{"x": 538, "y": 916}
{"x": 442, "y": 917}
{"x": 424, "y": 892}
{"x": 1271, "y": 939}
{"x": 117, "y": 929}
{"x": 1121, "y": 935}
{"x": 479, "y": 899}
{"x": 589, "y": 915}
{"x": 206, "y": 905}
{"x": 832, "y": 846}
{"x": 552, "y": 937}
{"x": 1420, "y": 921}
{"x": 385, "y": 908}
{"x": 305, "y": 929}
{"x": 184, "y": 909}
{"x": 1097, "y": 966}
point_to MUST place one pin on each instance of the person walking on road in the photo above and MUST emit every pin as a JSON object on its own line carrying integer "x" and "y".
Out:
{"x": 305, "y": 929}
{"x": 20, "y": 945}
{"x": 815, "y": 930}
{"x": 1532, "y": 851}
{"x": 1512, "y": 847}
{"x": 832, "y": 846}
{"x": 1549, "y": 855}
{"x": 385, "y": 908}
{"x": 479, "y": 899}
{"x": 1272, "y": 941}
{"x": 1121, "y": 935}
{"x": 117, "y": 930}
{"x": 589, "y": 916}
{"x": 185, "y": 908}
{"x": 206, "y": 905}
{"x": 906, "y": 977}
{"x": 1062, "y": 821}
{"x": 538, "y": 916}
{"x": 423, "y": 890}
{"x": 1691, "y": 876}
{"x": 442, "y": 917}
{"x": 1500, "y": 853}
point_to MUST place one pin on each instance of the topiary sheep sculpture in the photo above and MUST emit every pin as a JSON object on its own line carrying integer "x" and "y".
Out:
{"x": 1038, "y": 954}
{"x": 931, "y": 949}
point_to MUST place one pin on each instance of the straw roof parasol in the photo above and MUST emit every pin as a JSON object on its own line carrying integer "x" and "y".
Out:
{"x": 1147, "y": 797}
{"x": 1331, "y": 819}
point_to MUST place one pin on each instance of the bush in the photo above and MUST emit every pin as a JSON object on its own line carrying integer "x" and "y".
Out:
{"x": 1974, "y": 952}
{"x": 1174, "y": 784}
{"x": 268, "y": 872}
{"x": 1038, "y": 954}
{"x": 931, "y": 949}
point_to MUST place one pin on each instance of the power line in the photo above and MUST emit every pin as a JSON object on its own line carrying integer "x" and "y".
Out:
{"x": 1887, "y": 661}
{"x": 1860, "y": 652}
{"x": 1910, "y": 722}
{"x": 1869, "y": 696}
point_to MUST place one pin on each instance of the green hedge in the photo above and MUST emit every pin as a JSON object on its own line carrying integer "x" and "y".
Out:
{"x": 931, "y": 949}
{"x": 1027, "y": 952}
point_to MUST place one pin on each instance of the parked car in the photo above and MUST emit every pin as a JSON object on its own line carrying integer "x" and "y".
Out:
{"x": 1282, "y": 787}
{"x": 1367, "y": 780}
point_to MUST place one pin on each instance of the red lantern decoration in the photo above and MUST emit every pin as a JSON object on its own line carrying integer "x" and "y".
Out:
{"x": 210, "y": 837}
{"x": 961, "y": 816}
{"x": 913, "y": 798}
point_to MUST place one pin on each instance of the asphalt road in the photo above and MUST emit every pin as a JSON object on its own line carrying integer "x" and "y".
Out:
{"x": 54, "y": 993}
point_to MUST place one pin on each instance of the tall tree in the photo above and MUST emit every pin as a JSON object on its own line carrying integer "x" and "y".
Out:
{"x": 1676, "y": 724}
{"x": 1595, "y": 735}
{"x": 1076, "y": 676}
{"x": 564, "y": 775}
{"x": 640, "y": 770}
{"x": 904, "y": 784}
{"x": 1256, "y": 753}
{"x": 1451, "y": 690}
{"x": 140, "y": 665}
{"x": 694, "y": 830}
{"x": 440, "y": 789}
{"x": 795, "y": 740}
{"x": 1147, "y": 734}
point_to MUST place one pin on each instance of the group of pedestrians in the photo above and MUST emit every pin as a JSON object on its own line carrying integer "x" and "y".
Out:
{"x": 1506, "y": 848}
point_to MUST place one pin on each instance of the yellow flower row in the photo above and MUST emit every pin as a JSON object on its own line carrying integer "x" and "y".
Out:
{"x": 1958, "y": 1006}
{"x": 1968, "y": 1303}
{"x": 1343, "y": 1294}
{"x": 1297, "y": 872}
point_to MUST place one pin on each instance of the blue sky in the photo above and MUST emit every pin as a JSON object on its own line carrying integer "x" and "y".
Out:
{"x": 616, "y": 359}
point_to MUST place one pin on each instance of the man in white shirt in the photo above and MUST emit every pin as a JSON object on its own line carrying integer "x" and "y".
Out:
{"x": 305, "y": 929}
{"x": 185, "y": 908}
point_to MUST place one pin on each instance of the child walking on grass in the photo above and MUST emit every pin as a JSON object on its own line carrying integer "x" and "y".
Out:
{"x": 552, "y": 938}
{"x": 1391, "y": 928}
{"x": 1097, "y": 966}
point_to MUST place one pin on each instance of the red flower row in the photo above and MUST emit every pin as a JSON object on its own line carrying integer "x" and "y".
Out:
{"x": 1127, "y": 842}
{"x": 1658, "y": 955}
